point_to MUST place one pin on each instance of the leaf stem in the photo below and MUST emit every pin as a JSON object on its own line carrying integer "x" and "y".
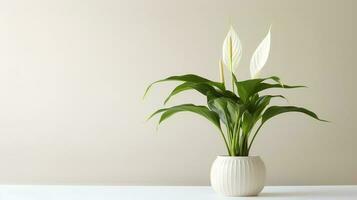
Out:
{"x": 255, "y": 134}
{"x": 225, "y": 141}
{"x": 235, "y": 135}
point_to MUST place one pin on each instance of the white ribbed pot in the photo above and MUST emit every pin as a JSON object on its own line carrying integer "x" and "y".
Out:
{"x": 238, "y": 176}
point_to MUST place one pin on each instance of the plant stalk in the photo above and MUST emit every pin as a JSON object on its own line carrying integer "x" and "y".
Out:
{"x": 225, "y": 141}
{"x": 255, "y": 134}
{"x": 233, "y": 88}
{"x": 230, "y": 62}
{"x": 236, "y": 130}
{"x": 221, "y": 72}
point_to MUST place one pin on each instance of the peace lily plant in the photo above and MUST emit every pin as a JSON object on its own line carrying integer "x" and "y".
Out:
{"x": 240, "y": 111}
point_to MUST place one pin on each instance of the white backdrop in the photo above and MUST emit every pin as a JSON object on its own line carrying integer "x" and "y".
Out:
{"x": 72, "y": 74}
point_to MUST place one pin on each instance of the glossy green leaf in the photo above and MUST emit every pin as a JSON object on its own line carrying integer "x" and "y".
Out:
{"x": 276, "y": 110}
{"x": 188, "y": 78}
{"x": 227, "y": 109}
{"x": 253, "y": 114}
{"x": 248, "y": 88}
{"x": 247, "y": 122}
{"x": 200, "y": 110}
{"x": 264, "y": 86}
{"x": 219, "y": 106}
{"x": 263, "y": 102}
{"x": 203, "y": 88}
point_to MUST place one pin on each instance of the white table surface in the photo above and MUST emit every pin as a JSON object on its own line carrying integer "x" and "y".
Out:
{"x": 20, "y": 192}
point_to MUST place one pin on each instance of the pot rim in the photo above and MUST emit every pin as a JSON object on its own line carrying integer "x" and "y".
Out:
{"x": 237, "y": 157}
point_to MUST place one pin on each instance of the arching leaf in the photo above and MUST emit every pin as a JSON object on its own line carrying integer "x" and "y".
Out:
{"x": 203, "y": 88}
{"x": 200, "y": 110}
{"x": 188, "y": 78}
{"x": 277, "y": 110}
{"x": 250, "y": 87}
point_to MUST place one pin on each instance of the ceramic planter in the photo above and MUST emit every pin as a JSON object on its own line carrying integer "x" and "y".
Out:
{"x": 238, "y": 176}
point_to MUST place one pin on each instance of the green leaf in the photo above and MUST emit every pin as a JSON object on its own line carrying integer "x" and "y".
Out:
{"x": 200, "y": 110}
{"x": 203, "y": 88}
{"x": 276, "y": 110}
{"x": 247, "y": 122}
{"x": 264, "y": 86}
{"x": 188, "y": 78}
{"x": 263, "y": 102}
{"x": 255, "y": 110}
{"x": 227, "y": 110}
{"x": 248, "y": 88}
{"x": 219, "y": 106}
{"x": 219, "y": 94}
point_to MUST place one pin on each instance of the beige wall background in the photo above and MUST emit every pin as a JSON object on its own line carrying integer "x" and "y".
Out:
{"x": 72, "y": 74}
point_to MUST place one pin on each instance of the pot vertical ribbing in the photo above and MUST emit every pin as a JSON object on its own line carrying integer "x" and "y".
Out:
{"x": 238, "y": 176}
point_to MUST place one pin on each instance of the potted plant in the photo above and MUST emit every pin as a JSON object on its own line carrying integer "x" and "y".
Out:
{"x": 238, "y": 113}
